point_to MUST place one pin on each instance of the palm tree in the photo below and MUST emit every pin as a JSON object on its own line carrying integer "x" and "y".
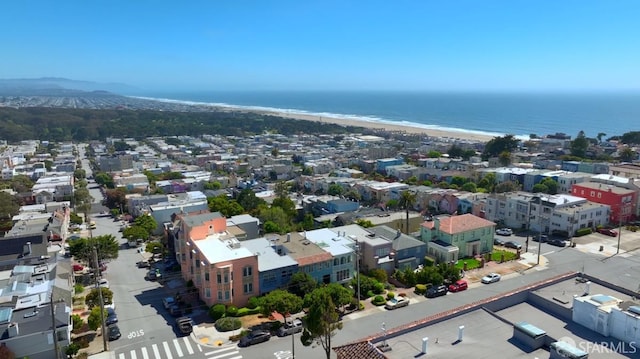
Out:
{"x": 407, "y": 200}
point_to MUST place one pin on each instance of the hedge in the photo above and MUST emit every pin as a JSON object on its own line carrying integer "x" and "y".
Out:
{"x": 378, "y": 300}
{"x": 217, "y": 311}
{"x": 228, "y": 324}
{"x": 421, "y": 288}
{"x": 583, "y": 232}
{"x": 247, "y": 311}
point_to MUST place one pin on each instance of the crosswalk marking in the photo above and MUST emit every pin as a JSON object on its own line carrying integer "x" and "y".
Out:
{"x": 178, "y": 349}
{"x": 221, "y": 353}
{"x": 167, "y": 350}
{"x": 188, "y": 345}
{"x": 182, "y": 348}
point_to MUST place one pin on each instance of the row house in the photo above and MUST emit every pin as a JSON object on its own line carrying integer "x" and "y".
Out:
{"x": 274, "y": 269}
{"x": 404, "y": 171}
{"x": 131, "y": 181}
{"x": 189, "y": 202}
{"x": 383, "y": 163}
{"x": 53, "y": 188}
{"x": 626, "y": 170}
{"x": 449, "y": 238}
{"x": 554, "y": 214}
{"x": 311, "y": 259}
{"x": 380, "y": 192}
{"x": 341, "y": 249}
{"x": 622, "y": 201}
{"x": 219, "y": 266}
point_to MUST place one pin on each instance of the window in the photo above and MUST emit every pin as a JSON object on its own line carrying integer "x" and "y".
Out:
{"x": 206, "y": 276}
{"x": 219, "y": 295}
{"x": 248, "y": 288}
{"x": 219, "y": 278}
{"x": 247, "y": 271}
{"x": 226, "y": 295}
{"x": 207, "y": 292}
{"x": 335, "y": 261}
{"x": 226, "y": 277}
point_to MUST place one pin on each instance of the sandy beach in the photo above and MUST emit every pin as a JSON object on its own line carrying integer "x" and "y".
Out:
{"x": 384, "y": 126}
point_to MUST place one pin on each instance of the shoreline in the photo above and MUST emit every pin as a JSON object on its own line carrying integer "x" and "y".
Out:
{"x": 440, "y": 133}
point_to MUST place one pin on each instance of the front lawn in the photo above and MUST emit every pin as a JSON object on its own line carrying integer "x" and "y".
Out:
{"x": 496, "y": 256}
{"x": 472, "y": 263}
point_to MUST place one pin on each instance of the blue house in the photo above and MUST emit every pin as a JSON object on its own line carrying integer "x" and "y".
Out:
{"x": 274, "y": 269}
{"x": 383, "y": 163}
{"x": 342, "y": 205}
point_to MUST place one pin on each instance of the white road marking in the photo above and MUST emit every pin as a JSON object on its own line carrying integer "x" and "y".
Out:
{"x": 145, "y": 355}
{"x": 133, "y": 354}
{"x": 156, "y": 352}
{"x": 121, "y": 356}
{"x": 167, "y": 350}
{"x": 188, "y": 345}
{"x": 178, "y": 349}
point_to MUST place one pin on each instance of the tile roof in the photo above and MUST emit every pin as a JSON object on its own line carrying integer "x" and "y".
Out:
{"x": 360, "y": 350}
{"x": 458, "y": 224}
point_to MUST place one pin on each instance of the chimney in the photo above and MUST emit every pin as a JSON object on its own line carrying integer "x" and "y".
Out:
{"x": 587, "y": 288}
{"x": 288, "y": 237}
{"x": 436, "y": 223}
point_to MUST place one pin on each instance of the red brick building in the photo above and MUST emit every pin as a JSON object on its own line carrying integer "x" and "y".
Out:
{"x": 621, "y": 200}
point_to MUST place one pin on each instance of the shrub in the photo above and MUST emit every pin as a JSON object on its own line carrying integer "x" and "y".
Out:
{"x": 235, "y": 338}
{"x": 78, "y": 288}
{"x": 228, "y": 324}
{"x": 429, "y": 262}
{"x": 232, "y": 311}
{"x": 583, "y": 232}
{"x": 390, "y": 295}
{"x": 378, "y": 300}
{"x": 421, "y": 289}
{"x": 370, "y": 294}
{"x": 72, "y": 349}
{"x": 217, "y": 311}
{"x": 77, "y": 321}
{"x": 378, "y": 288}
{"x": 248, "y": 311}
{"x": 254, "y": 302}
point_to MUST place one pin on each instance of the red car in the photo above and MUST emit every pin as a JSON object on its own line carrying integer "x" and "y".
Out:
{"x": 78, "y": 268}
{"x": 458, "y": 286}
{"x": 608, "y": 232}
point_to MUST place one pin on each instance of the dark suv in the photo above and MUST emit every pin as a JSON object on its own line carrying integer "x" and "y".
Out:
{"x": 255, "y": 337}
{"x": 436, "y": 291}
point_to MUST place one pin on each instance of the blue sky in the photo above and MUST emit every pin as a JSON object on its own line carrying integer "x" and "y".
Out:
{"x": 327, "y": 45}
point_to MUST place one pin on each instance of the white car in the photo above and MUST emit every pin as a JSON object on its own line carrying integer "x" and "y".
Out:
{"x": 397, "y": 302}
{"x": 103, "y": 283}
{"x": 491, "y": 278}
{"x": 504, "y": 231}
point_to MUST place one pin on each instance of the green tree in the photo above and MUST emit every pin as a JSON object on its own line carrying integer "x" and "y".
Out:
{"x": 135, "y": 232}
{"x": 212, "y": 185}
{"x": 9, "y": 206}
{"x": 106, "y": 246}
{"x": 281, "y": 302}
{"x": 469, "y": 187}
{"x": 104, "y": 179}
{"x": 224, "y": 205}
{"x": 407, "y": 201}
{"x": 95, "y": 319}
{"x": 116, "y": 198}
{"x": 147, "y": 222}
{"x": 364, "y": 223}
{"x": 248, "y": 200}
{"x": 393, "y": 204}
{"x": 74, "y": 218}
{"x": 551, "y": 184}
{"x": 504, "y": 158}
{"x": 580, "y": 145}
{"x": 488, "y": 182}
{"x": 507, "y": 186}
{"x": 434, "y": 154}
{"x": 539, "y": 188}
{"x": 287, "y": 205}
{"x": 80, "y": 174}
{"x": 21, "y": 183}
{"x": 323, "y": 320}
{"x": 627, "y": 154}
{"x": 93, "y": 297}
{"x": 379, "y": 274}
{"x": 335, "y": 189}
{"x": 497, "y": 145}
{"x": 276, "y": 215}
{"x": 600, "y": 135}
{"x": 302, "y": 283}
{"x": 340, "y": 295}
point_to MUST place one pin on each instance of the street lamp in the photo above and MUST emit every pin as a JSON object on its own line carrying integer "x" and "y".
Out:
{"x": 622, "y": 212}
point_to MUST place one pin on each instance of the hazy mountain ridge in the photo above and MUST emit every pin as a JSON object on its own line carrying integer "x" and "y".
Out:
{"x": 40, "y": 86}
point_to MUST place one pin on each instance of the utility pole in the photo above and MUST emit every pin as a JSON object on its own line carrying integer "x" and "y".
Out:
{"x": 53, "y": 326}
{"x": 105, "y": 344}
{"x": 358, "y": 269}
{"x": 293, "y": 342}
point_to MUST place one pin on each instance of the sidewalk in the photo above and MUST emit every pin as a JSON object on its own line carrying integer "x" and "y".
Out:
{"x": 207, "y": 335}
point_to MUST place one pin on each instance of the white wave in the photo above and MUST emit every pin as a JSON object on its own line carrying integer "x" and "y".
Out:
{"x": 320, "y": 115}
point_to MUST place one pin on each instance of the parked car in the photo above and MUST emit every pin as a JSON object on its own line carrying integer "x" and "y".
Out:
{"x": 153, "y": 274}
{"x": 557, "y": 242}
{"x": 185, "y": 325}
{"x": 103, "y": 283}
{"x": 608, "y": 232}
{"x": 290, "y": 327}
{"x": 397, "y": 302}
{"x": 504, "y": 231}
{"x": 168, "y": 301}
{"x": 78, "y": 267}
{"x": 540, "y": 238}
{"x": 498, "y": 241}
{"x": 254, "y": 337}
{"x": 114, "y": 332}
{"x": 143, "y": 264}
{"x": 458, "y": 286}
{"x": 436, "y": 291}
{"x": 491, "y": 278}
{"x": 112, "y": 318}
{"x": 513, "y": 244}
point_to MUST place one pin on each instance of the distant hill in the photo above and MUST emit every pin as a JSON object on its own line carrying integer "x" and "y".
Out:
{"x": 55, "y": 86}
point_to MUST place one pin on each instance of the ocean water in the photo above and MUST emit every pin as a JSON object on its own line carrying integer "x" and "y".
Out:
{"x": 518, "y": 114}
